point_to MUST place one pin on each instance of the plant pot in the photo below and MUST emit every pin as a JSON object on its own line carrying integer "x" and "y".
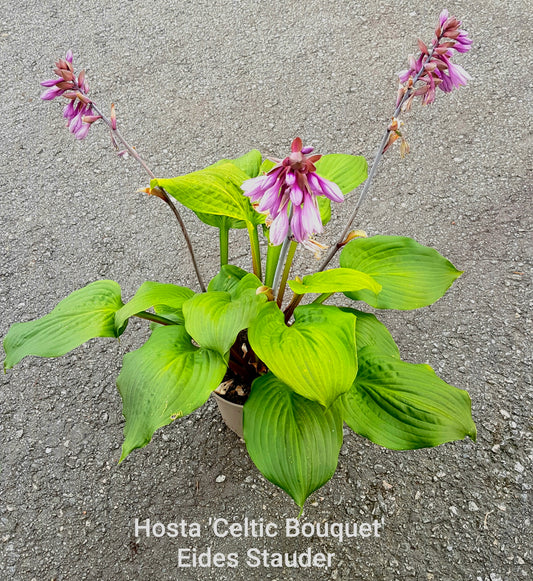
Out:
{"x": 231, "y": 414}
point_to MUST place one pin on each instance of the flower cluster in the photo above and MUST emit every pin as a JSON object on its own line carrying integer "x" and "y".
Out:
{"x": 434, "y": 67}
{"x": 79, "y": 112}
{"x": 292, "y": 181}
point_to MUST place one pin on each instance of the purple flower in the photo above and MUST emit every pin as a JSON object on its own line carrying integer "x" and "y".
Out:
{"x": 433, "y": 68}
{"x": 78, "y": 112}
{"x": 453, "y": 76}
{"x": 288, "y": 193}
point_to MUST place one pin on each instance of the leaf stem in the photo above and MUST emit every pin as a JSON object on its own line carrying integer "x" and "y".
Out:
{"x": 224, "y": 245}
{"x": 294, "y": 302}
{"x": 154, "y": 318}
{"x": 239, "y": 370}
{"x": 256, "y": 252}
{"x": 321, "y": 298}
{"x": 288, "y": 263}
{"x": 272, "y": 261}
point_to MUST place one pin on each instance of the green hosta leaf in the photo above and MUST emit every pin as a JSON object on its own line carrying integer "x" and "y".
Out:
{"x": 266, "y": 166}
{"x": 316, "y": 356}
{"x": 214, "y": 319}
{"x": 223, "y": 222}
{"x": 335, "y": 280}
{"x": 167, "y": 378}
{"x": 293, "y": 441}
{"x": 404, "y": 406}
{"x": 249, "y": 163}
{"x": 412, "y": 275}
{"x": 250, "y": 282}
{"x": 213, "y": 190}
{"x": 369, "y": 332}
{"x": 229, "y": 278}
{"x": 324, "y": 207}
{"x": 347, "y": 171}
{"x": 86, "y": 313}
{"x": 163, "y": 297}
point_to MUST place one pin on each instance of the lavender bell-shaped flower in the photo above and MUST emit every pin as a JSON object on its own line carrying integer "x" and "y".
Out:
{"x": 78, "y": 111}
{"x": 434, "y": 68}
{"x": 288, "y": 193}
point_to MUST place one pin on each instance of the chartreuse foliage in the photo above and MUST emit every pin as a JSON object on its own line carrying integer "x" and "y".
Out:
{"x": 347, "y": 171}
{"x": 165, "y": 298}
{"x": 295, "y": 442}
{"x": 249, "y": 163}
{"x": 167, "y": 378}
{"x": 403, "y": 406}
{"x": 215, "y": 191}
{"x": 315, "y": 362}
{"x": 411, "y": 275}
{"x": 369, "y": 332}
{"x": 86, "y": 313}
{"x": 214, "y": 319}
{"x": 334, "y": 281}
{"x": 329, "y": 366}
{"x": 228, "y": 278}
{"x": 215, "y": 196}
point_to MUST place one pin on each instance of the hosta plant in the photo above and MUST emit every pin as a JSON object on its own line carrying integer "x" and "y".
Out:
{"x": 302, "y": 368}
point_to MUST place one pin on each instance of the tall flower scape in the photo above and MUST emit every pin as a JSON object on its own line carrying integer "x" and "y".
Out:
{"x": 301, "y": 368}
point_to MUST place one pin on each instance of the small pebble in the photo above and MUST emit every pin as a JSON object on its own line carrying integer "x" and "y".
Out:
{"x": 472, "y": 506}
{"x": 220, "y": 478}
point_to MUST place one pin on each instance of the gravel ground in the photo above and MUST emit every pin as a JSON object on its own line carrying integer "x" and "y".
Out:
{"x": 194, "y": 82}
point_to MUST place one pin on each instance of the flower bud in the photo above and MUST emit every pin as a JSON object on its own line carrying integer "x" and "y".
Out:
{"x": 353, "y": 235}
{"x": 267, "y": 291}
{"x": 113, "y": 117}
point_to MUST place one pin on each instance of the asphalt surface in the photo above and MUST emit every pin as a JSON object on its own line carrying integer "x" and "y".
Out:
{"x": 194, "y": 82}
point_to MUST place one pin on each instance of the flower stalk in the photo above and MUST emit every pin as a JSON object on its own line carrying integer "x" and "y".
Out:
{"x": 282, "y": 257}
{"x": 117, "y": 136}
{"x": 80, "y": 114}
{"x": 284, "y": 277}
{"x": 434, "y": 69}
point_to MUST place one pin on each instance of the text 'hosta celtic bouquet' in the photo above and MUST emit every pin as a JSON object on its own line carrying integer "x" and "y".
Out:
{"x": 300, "y": 368}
